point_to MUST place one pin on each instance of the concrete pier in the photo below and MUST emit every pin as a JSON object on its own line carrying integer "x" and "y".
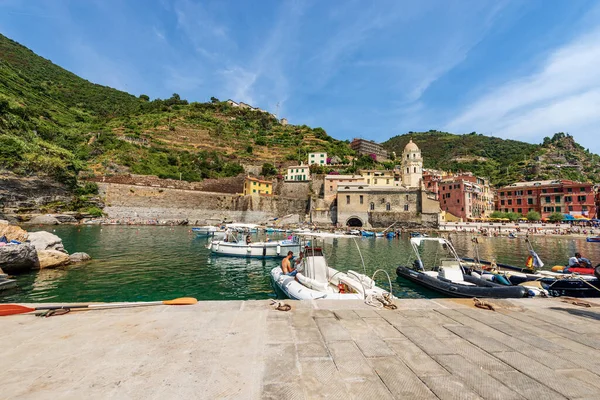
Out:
{"x": 427, "y": 349}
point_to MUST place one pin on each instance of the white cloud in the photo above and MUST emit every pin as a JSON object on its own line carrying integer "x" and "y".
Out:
{"x": 562, "y": 96}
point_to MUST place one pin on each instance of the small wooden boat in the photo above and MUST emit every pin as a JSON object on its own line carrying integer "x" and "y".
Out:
{"x": 367, "y": 233}
{"x": 593, "y": 239}
{"x": 449, "y": 277}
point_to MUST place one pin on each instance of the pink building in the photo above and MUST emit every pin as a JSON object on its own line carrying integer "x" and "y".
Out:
{"x": 466, "y": 196}
{"x": 333, "y": 181}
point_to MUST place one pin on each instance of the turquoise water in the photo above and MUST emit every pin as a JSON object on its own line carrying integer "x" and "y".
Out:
{"x": 145, "y": 263}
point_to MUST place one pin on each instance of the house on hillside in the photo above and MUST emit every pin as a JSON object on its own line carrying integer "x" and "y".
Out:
{"x": 232, "y": 103}
{"x": 298, "y": 173}
{"x": 317, "y": 158}
{"x": 255, "y": 186}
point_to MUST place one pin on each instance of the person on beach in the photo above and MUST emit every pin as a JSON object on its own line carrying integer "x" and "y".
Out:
{"x": 286, "y": 267}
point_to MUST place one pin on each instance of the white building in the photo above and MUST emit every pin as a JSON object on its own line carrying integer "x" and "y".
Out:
{"x": 412, "y": 165}
{"x": 317, "y": 158}
{"x": 298, "y": 173}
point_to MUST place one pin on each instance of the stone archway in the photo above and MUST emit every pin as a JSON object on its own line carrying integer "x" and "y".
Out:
{"x": 354, "y": 222}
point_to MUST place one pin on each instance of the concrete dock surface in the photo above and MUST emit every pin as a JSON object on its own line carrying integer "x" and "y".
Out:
{"x": 426, "y": 349}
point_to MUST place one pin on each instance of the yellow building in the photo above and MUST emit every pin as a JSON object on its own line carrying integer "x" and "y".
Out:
{"x": 255, "y": 186}
{"x": 377, "y": 177}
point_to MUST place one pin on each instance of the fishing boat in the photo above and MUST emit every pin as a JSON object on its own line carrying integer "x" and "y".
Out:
{"x": 593, "y": 239}
{"x": 367, "y": 233}
{"x": 390, "y": 235}
{"x": 231, "y": 246}
{"x": 317, "y": 280}
{"x": 447, "y": 274}
{"x": 418, "y": 234}
{"x": 379, "y": 234}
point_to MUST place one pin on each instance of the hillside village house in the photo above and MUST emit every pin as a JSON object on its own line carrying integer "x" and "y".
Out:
{"x": 317, "y": 158}
{"x": 298, "y": 173}
{"x": 368, "y": 147}
{"x": 255, "y": 186}
{"x": 547, "y": 197}
{"x": 466, "y": 196}
{"x": 333, "y": 181}
{"x": 377, "y": 177}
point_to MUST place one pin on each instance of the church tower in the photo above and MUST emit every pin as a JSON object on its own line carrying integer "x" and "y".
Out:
{"x": 412, "y": 165}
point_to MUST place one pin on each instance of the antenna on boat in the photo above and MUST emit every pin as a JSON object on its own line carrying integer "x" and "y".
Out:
{"x": 361, "y": 257}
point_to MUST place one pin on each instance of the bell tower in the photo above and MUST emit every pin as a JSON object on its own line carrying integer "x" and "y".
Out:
{"x": 412, "y": 165}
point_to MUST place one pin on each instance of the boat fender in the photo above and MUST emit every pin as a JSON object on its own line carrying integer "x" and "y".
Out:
{"x": 558, "y": 268}
{"x": 278, "y": 249}
{"x": 501, "y": 280}
{"x": 487, "y": 277}
{"x": 475, "y": 274}
{"x": 209, "y": 246}
{"x": 248, "y": 249}
{"x": 265, "y": 251}
{"x": 217, "y": 247}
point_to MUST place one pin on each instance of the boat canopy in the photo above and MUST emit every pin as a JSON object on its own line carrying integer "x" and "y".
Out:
{"x": 418, "y": 240}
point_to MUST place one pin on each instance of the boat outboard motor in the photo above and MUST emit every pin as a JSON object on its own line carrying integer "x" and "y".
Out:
{"x": 418, "y": 264}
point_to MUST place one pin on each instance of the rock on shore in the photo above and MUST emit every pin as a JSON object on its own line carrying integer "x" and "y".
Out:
{"x": 43, "y": 240}
{"x": 43, "y": 220}
{"x": 79, "y": 257}
{"x": 13, "y": 232}
{"x": 52, "y": 259}
{"x": 18, "y": 258}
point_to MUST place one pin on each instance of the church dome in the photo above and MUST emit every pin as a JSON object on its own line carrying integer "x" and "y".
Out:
{"x": 410, "y": 146}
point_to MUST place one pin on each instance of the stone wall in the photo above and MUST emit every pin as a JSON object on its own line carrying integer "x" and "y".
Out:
{"x": 152, "y": 203}
{"x": 292, "y": 190}
{"x": 29, "y": 193}
{"x": 233, "y": 185}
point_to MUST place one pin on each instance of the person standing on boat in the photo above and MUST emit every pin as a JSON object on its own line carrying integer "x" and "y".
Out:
{"x": 286, "y": 267}
{"x": 298, "y": 261}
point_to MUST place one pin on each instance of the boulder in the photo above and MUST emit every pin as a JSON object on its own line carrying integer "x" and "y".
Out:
{"x": 65, "y": 218}
{"x": 13, "y": 232}
{"x": 43, "y": 240}
{"x": 52, "y": 259}
{"x": 79, "y": 257}
{"x": 43, "y": 220}
{"x": 18, "y": 258}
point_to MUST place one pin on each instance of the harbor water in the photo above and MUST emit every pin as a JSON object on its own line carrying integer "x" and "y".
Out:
{"x": 143, "y": 263}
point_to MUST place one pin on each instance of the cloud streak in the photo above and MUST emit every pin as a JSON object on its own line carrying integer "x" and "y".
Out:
{"x": 563, "y": 95}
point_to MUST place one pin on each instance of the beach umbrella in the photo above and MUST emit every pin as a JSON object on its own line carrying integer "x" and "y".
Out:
{"x": 568, "y": 217}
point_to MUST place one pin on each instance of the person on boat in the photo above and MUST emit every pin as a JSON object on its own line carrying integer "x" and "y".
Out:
{"x": 286, "y": 267}
{"x": 579, "y": 262}
{"x": 298, "y": 261}
{"x": 248, "y": 239}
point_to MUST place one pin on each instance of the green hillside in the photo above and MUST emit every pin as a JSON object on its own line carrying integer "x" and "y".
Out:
{"x": 54, "y": 122}
{"x": 503, "y": 161}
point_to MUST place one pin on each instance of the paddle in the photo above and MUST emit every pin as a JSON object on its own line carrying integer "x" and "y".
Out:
{"x": 13, "y": 309}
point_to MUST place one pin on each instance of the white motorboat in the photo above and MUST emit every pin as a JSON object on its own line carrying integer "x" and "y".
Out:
{"x": 209, "y": 231}
{"x": 316, "y": 280}
{"x": 231, "y": 246}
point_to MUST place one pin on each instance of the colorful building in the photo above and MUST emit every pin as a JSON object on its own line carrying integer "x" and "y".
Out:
{"x": 255, "y": 186}
{"x": 466, "y": 196}
{"x": 547, "y": 197}
{"x": 333, "y": 181}
{"x": 298, "y": 173}
{"x": 412, "y": 165}
{"x": 378, "y": 177}
{"x": 317, "y": 158}
{"x": 432, "y": 179}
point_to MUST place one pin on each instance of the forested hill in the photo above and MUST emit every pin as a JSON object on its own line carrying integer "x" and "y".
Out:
{"x": 503, "y": 161}
{"x": 54, "y": 122}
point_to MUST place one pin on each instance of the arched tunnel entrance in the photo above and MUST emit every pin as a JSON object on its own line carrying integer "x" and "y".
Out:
{"x": 354, "y": 222}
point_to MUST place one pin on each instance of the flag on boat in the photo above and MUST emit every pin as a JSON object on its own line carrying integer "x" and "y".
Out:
{"x": 537, "y": 261}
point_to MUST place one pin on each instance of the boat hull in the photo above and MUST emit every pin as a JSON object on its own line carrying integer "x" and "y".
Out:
{"x": 482, "y": 288}
{"x": 593, "y": 239}
{"x": 254, "y": 250}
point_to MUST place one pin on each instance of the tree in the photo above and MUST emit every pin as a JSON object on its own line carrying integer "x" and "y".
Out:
{"x": 214, "y": 100}
{"x": 556, "y": 217}
{"x": 533, "y": 216}
{"x": 498, "y": 214}
{"x": 175, "y": 96}
{"x": 249, "y": 149}
{"x": 268, "y": 169}
{"x": 144, "y": 97}
{"x": 513, "y": 216}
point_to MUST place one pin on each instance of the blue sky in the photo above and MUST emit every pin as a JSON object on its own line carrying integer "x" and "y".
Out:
{"x": 520, "y": 69}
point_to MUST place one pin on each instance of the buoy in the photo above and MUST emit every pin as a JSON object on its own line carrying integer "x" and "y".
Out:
{"x": 558, "y": 268}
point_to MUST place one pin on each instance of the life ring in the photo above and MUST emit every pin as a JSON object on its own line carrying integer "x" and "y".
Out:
{"x": 529, "y": 262}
